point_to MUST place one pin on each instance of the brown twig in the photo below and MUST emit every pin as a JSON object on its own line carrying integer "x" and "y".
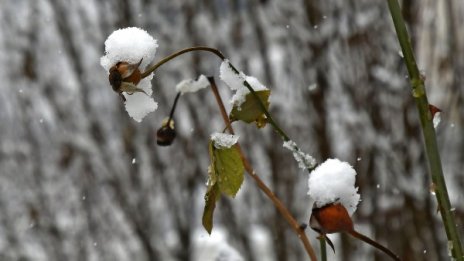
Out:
{"x": 276, "y": 201}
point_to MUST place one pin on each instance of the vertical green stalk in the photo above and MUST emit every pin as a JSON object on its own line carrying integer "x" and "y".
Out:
{"x": 428, "y": 131}
{"x": 323, "y": 246}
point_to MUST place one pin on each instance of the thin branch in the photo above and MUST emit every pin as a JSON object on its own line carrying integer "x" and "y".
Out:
{"x": 278, "y": 204}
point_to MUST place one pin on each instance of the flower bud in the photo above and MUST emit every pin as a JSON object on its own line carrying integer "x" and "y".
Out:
{"x": 166, "y": 134}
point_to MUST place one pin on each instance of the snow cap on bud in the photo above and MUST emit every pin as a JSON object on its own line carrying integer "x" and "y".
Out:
{"x": 127, "y": 47}
{"x": 333, "y": 182}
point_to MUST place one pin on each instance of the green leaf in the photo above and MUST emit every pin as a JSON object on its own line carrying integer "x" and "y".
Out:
{"x": 228, "y": 168}
{"x": 250, "y": 110}
{"x": 225, "y": 175}
{"x": 212, "y": 195}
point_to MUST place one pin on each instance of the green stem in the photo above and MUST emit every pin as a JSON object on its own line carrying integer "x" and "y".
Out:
{"x": 323, "y": 246}
{"x": 428, "y": 131}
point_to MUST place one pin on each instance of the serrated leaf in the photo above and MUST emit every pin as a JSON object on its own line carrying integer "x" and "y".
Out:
{"x": 228, "y": 168}
{"x": 212, "y": 195}
{"x": 250, "y": 110}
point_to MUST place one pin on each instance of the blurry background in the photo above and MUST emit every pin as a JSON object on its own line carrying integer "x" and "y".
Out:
{"x": 80, "y": 180}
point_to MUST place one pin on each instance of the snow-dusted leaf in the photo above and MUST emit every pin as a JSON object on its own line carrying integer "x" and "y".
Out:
{"x": 225, "y": 175}
{"x": 251, "y": 110}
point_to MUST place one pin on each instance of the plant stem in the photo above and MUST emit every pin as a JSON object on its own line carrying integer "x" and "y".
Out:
{"x": 428, "y": 131}
{"x": 278, "y": 204}
{"x": 171, "y": 114}
{"x": 323, "y": 246}
{"x": 174, "y": 55}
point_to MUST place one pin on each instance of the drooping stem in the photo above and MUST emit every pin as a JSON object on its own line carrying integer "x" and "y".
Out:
{"x": 373, "y": 243}
{"x": 428, "y": 131}
{"x": 171, "y": 114}
{"x": 174, "y": 55}
{"x": 276, "y": 201}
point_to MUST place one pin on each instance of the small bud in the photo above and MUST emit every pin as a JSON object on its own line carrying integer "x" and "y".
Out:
{"x": 166, "y": 134}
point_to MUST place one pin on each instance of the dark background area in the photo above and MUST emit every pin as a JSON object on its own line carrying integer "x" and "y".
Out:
{"x": 69, "y": 189}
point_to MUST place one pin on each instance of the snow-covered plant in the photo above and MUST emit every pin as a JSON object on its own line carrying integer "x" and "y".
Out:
{"x": 129, "y": 61}
{"x": 332, "y": 187}
{"x": 127, "y": 52}
{"x": 334, "y": 182}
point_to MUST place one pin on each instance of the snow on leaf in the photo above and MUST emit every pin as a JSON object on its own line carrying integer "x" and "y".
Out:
{"x": 240, "y": 95}
{"x": 251, "y": 110}
{"x": 333, "y": 181}
{"x": 230, "y": 77}
{"x": 236, "y": 81}
{"x": 223, "y": 140}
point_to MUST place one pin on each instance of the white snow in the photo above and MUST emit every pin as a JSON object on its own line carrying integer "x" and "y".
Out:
{"x": 312, "y": 87}
{"x": 191, "y": 85}
{"x": 131, "y": 45}
{"x": 333, "y": 181}
{"x": 214, "y": 247}
{"x": 223, "y": 140}
{"x": 227, "y": 75}
{"x": 436, "y": 119}
{"x": 236, "y": 82}
{"x": 305, "y": 161}
{"x": 138, "y": 104}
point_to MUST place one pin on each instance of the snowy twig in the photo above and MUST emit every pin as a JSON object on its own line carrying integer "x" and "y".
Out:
{"x": 276, "y": 201}
{"x": 433, "y": 156}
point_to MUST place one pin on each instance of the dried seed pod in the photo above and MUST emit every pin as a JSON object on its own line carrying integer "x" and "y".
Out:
{"x": 166, "y": 134}
{"x": 331, "y": 218}
{"x": 124, "y": 77}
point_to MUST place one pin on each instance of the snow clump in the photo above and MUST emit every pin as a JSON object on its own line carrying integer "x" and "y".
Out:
{"x": 333, "y": 181}
{"x": 132, "y": 45}
{"x": 305, "y": 161}
{"x": 191, "y": 85}
{"x": 235, "y": 82}
{"x": 223, "y": 140}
